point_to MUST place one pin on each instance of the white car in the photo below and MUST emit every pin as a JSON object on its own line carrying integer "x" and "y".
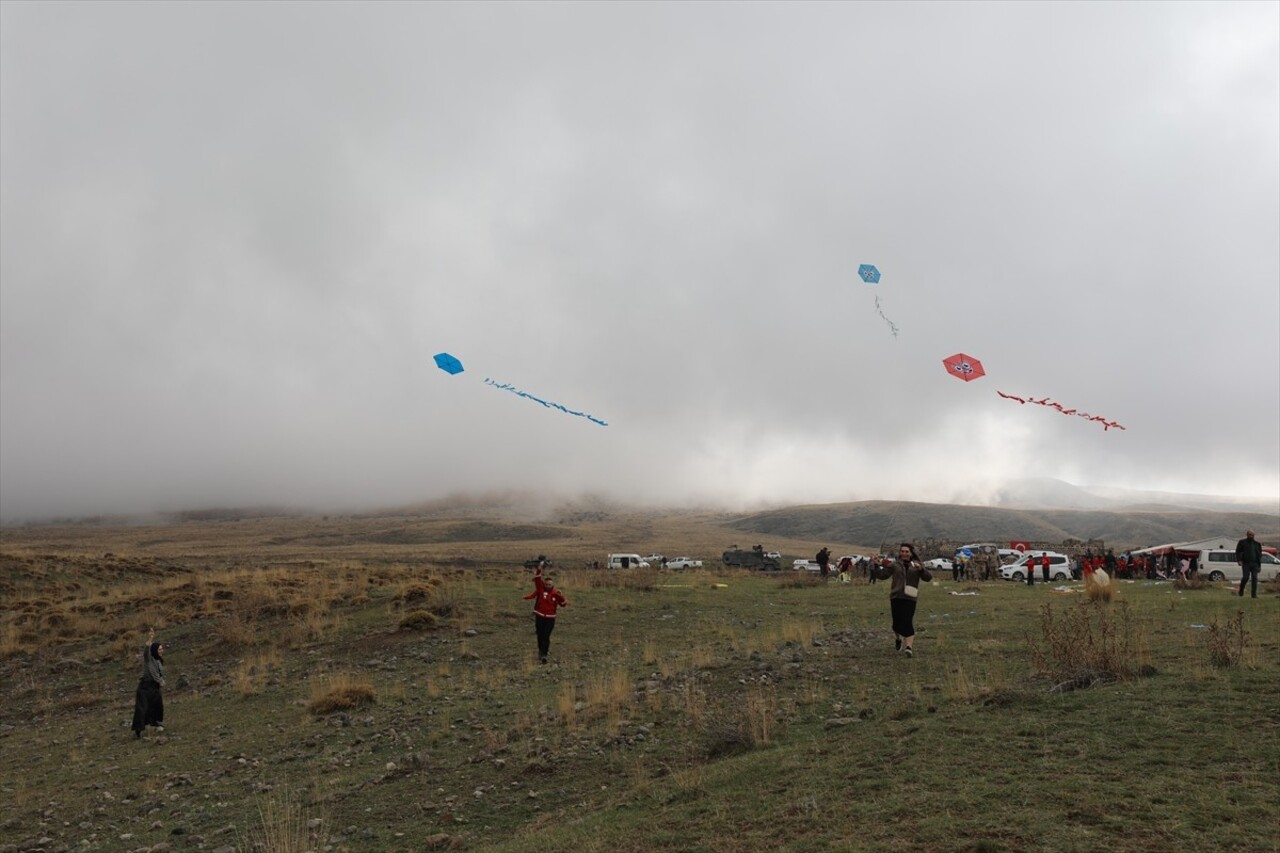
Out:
{"x": 806, "y": 566}
{"x": 683, "y": 563}
{"x": 653, "y": 559}
{"x": 1059, "y": 567}
{"x": 938, "y": 564}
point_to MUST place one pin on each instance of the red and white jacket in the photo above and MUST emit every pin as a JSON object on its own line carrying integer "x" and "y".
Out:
{"x": 547, "y": 598}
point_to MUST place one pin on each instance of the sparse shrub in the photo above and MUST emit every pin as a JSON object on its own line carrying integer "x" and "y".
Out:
{"x": 419, "y": 620}
{"x": 1193, "y": 582}
{"x": 1227, "y": 643}
{"x": 255, "y": 670}
{"x": 284, "y": 826}
{"x": 800, "y": 580}
{"x": 341, "y": 693}
{"x": 1087, "y": 644}
{"x": 750, "y": 724}
{"x": 414, "y": 592}
{"x": 800, "y": 632}
{"x": 235, "y": 631}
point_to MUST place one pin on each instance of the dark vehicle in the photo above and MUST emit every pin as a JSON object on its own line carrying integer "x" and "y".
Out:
{"x": 533, "y": 564}
{"x": 756, "y": 558}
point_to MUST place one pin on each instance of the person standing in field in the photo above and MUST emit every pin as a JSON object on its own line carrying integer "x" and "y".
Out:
{"x": 148, "y": 701}
{"x": 1044, "y": 566}
{"x": 904, "y": 575}
{"x": 546, "y": 598}
{"x": 1249, "y": 556}
{"x": 823, "y": 559}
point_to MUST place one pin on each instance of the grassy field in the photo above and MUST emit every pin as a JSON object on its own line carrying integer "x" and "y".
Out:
{"x": 371, "y": 684}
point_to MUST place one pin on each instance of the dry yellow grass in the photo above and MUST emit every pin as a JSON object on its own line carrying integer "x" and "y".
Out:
{"x": 341, "y": 692}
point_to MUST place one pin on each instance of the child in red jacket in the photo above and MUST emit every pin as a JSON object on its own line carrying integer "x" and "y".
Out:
{"x": 546, "y": 599}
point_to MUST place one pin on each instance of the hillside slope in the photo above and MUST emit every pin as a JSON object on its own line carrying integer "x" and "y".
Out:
{"x": 887, "y": 521}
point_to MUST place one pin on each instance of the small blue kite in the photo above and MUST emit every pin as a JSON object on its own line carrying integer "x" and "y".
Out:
{"x": 448, "y": 363}
{"x": 869, "y": 273}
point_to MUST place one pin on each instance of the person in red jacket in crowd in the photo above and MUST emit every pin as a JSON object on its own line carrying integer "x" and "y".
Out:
{"x": 546, "y": 598}
{"x": 1044, "y": 566}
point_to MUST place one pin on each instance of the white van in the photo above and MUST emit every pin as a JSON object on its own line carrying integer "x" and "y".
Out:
{"x": 1219, "y": 565}
{"x": 627, "y": 561}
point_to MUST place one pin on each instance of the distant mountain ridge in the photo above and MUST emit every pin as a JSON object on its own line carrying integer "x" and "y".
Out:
{"x": 1048, "y": 493}
{"x": 873, "y": 522}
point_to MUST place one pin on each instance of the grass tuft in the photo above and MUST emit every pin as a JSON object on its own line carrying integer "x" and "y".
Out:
{"x": 284, "y": 826}
{"x": 340, "y": 693}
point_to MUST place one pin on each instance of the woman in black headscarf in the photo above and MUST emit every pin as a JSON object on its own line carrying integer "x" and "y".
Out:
{"x": 905, "y": 574}
{"x": 148, "y": 704}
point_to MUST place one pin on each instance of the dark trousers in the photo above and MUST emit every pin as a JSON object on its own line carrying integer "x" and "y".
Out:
{"x": 1246, "y": 574}
{"x": 544, "y": 628}
{"x": 1031, "y": 576}
{"x": 1046, "y": 573}
{"x": 904, "y": 612}
{"x": 148, "y": 705}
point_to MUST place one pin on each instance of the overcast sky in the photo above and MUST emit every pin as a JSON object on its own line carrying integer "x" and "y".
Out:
{"x": 235, "y": 234}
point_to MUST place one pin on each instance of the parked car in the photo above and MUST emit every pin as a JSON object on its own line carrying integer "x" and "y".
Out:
{"x": 540, "y": 560}
{"x": 627, "y": 561}
{"x": 811, "y": 566}
{"x": 683, "y": 563}
{"x": 653, "y": 559}
{"x": 773, "y": 555}
{"x": 1219, "y": 565}
{"x": 938, "y": 564}
{"x": 1059, "y": 567}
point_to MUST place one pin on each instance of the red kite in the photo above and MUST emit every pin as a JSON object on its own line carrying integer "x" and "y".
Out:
{"x": 964, "y": 367}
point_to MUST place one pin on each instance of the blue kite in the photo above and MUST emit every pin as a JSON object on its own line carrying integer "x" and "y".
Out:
{"x": 869, "y": 273}
{"x": 448, "y": 363}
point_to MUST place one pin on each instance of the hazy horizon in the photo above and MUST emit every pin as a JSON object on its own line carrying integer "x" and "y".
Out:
{"x": 233, "y": 236}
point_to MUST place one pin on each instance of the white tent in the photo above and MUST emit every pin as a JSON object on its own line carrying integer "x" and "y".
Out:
{"x": 1217, "y": 543}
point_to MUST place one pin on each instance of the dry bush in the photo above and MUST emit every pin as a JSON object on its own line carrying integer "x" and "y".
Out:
{"x": 800, "y": 580}
{"x": 729, "y": 728}
{"x": 1194, "y": 582}
{"x": 1087, "y": 644}
{"x": 416, "y": 592}
{"x": 1228, "y": 643}
{"x": 284, "y": 826}
{"x": 418, "y": 620}
{"x": 254, "y": 671}
{"x": 236, "y": 631}
{"x": 643, "y": 580}
{"x": 650, "y": 654}
{"x": 801, "y": 632}
{"x": 609, "y": 690}
{"x": 567, "y": 705}
{"x": 341, "y": 692}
